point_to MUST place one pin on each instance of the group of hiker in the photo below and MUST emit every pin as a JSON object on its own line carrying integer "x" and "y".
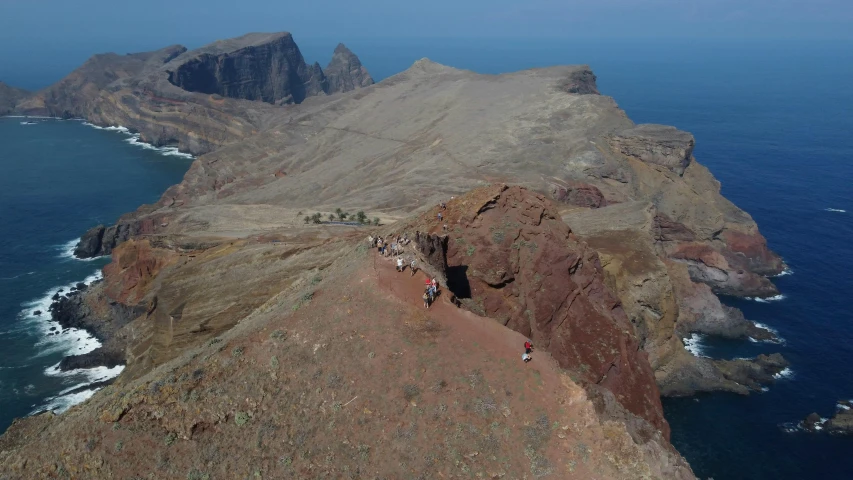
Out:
{"x": 430, "y": 292}
{"x": 388, "y": 247}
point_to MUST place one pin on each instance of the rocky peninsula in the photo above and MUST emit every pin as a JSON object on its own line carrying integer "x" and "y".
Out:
{"x": 603, "y": 241}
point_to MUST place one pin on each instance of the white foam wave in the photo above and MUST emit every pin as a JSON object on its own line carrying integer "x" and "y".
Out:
{"x": 135, "y": 140}
{"x": 772, "y": 330}
{"x": 61, "y": 403}
{"x": 774, "y": 298}
{"x": 693, "y": 344}
{"x": 843, "y": 407}
{"x": 72, "y": 341}
{"x": 786, "y": 373}
{"x": 765, "y": 389}
{"x": 169, "y": 151}
{"x": 85, "y": 376}
{"x": 836, "y": 210}
{"x": 783, "y": 273}
{"x": 66, "y": 250}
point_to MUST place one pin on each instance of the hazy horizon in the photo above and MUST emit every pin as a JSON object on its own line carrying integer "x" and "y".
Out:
{"x": 40, "y": 42}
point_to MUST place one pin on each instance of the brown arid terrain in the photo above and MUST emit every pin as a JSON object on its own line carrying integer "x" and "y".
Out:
{"x": 258, "y": 344}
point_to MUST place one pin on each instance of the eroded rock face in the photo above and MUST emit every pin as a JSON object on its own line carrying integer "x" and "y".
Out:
{"x": 581, "y": 82}
{"x": 579, "y": 194}
{"x": 656, "y": 144}
{"x": 195, "y": 100}
{"x": 272, "y": 72}
{"x": 516, "y": 261}
{"x": 345, "y": 71}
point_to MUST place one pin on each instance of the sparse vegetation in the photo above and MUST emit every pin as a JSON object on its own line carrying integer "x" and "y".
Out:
{"x": 237, "y": 352}
{"x": 170, "y": 438}
{"x": 410, "y": 392}
{"x": 197, "y": 475}
{"x": 470, "y": 250}
{"x": 241, "y": 418}
{"x": 278, "y": 335}
{"x": 376, "y": 221}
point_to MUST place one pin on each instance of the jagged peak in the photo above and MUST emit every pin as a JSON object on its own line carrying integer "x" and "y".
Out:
{"x": 341, "y": 48}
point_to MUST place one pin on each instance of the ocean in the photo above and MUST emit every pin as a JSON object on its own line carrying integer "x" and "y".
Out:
{"x": 772, "y": 121}
{"x": 59, "y": 179}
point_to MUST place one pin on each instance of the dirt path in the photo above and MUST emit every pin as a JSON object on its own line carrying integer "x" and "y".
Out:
{"x": 467, "y": 330}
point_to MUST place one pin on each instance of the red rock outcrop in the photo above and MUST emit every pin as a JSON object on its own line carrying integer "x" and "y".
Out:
{"x": 135, "y": 265}
{"x": 512, "y": 258}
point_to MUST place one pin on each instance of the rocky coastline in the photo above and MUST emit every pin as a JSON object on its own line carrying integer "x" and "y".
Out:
{"x": 840, "y": 424}
{"x": 86, "y": 308}
{"x": 546, "y": 210}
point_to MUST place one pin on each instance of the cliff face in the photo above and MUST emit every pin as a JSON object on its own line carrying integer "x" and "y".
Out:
{"x": 511, "y": 258}
{"x": 268, "y": 69}
{"x": 345, "y": 71}
{"x": 296, "y": 356}
{"x": 9, "y": 98}
{"x": 196, "y": 100}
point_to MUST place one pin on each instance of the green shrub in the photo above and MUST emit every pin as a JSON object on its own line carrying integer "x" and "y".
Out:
{"x": 170, "y": 438}
{"x": 241, "y": 418}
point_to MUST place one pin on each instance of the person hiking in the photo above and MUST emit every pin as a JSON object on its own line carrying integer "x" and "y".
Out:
{"x": 439, "y": 216}
{"x": 525, "y": 357}
{"x": 399, "y": 264}
{"x": 426, "y": 300}
{"x": 413, "y": 266}
{"x": 528, "y": 347}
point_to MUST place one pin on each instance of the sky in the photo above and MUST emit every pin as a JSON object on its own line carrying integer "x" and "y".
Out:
{"x": 41, "y": 37}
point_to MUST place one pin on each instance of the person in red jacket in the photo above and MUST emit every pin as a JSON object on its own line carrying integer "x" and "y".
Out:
{"x": 528, "y": 347}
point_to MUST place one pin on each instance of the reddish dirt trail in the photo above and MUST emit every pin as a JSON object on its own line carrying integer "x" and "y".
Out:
{"x": 465, "y": 329}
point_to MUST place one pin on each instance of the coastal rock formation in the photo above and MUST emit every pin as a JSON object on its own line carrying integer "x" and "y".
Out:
{"x": 345, "y": 72}
{"x": 267, "y": 68}
{"x": 220, "y": 273}
{"x": 195, "y": 100}
{"x": 840, "y": 424}
{"x": 656, "y": 144}
{"x": 313, "y": 378}
{"x": 510, "y": 257}
{"x": 9, "y": 98}
{"x": 668, "y": 240}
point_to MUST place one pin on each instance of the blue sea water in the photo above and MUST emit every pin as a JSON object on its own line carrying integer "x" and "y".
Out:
{"x": 59, "y": 179}
{"x": 773, "y": 121}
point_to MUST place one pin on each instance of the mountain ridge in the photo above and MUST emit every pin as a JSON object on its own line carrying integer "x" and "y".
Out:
{"x": 509, "y": 178}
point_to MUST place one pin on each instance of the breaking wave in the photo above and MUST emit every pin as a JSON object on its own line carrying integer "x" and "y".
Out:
{"x": 775, "y": 298}
{"x": 778, "y": 340}
{"x": 783, "y": 273}
{"x": 71, "y": 341}
{"x": 66, "y": 250}
{"x": 693, "y": 344}
{"x": 135, "y": 140}
{"x": 836, "y": 210}
{"x": 787, "y": 373}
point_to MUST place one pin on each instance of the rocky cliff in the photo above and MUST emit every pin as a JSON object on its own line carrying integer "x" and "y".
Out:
{"x": 9, "y": 98}
{"x": 608, "y": 276}
{"x": 196, "y": 100}
{"x": 667, "y": 239}
{"x": 345, "y": 71}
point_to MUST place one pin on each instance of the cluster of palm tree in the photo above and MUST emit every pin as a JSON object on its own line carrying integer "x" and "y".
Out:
{"x": 342, "y": 216}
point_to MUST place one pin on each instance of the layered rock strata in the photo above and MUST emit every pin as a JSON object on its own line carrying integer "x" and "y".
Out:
{"x": 197, "y": 100}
